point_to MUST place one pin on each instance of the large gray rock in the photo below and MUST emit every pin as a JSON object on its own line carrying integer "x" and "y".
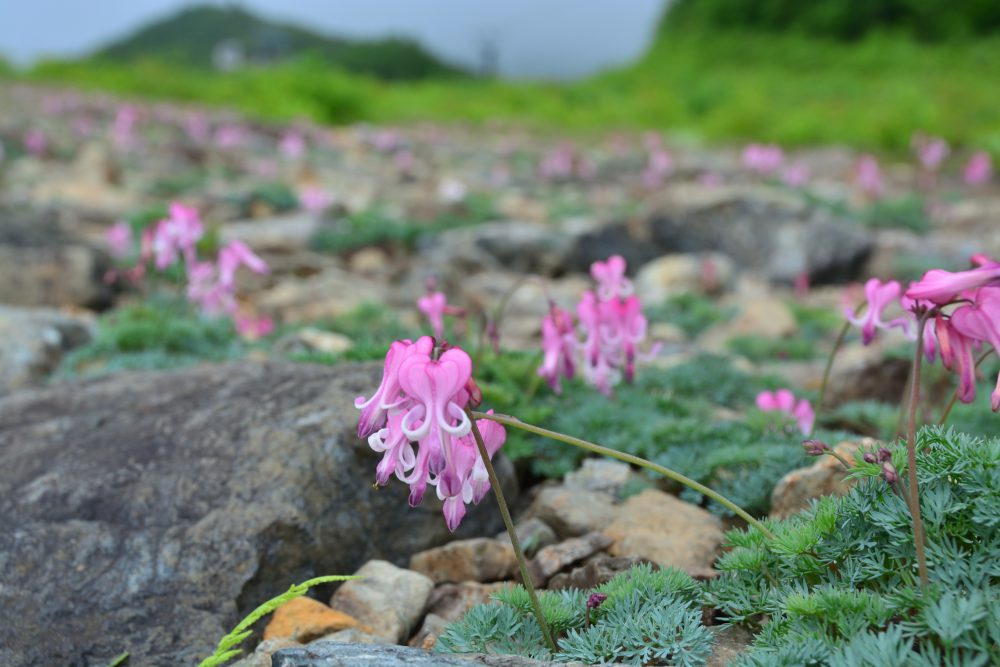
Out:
{"x": 776, "y": 236}
{"x": 33, "y": 342}
{"x": 41, "y": 264}
{"x": 149, "y": 512}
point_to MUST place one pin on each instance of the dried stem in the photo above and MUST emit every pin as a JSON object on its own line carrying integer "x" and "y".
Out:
{"x": 507, "y": 420}
{"x": 522, "y": 562}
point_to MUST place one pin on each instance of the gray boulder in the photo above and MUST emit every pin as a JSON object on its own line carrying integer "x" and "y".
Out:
{"x": 149, "y": 512}
{"x": 336, "y": 654}
{"x": 33, "y": 342}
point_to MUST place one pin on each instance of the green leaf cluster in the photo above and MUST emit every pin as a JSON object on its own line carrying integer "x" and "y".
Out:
{"x": 649, "y": 618}
{"x": 839, "y": 586}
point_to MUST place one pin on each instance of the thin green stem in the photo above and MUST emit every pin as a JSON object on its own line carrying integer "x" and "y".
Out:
{"x": 507, "y": 420}
{"x": 522, "y": 562}
{"x": 911, "y": 453}
{"x": 843, "y": 461}
{"x": 829, "y": 364}
{"x": 954, "y": 396}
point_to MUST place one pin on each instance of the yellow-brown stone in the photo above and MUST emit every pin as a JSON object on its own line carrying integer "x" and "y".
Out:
{"x": 304, "y": 619}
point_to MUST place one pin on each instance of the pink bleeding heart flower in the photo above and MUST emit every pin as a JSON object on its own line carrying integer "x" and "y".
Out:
{"x": 234, "y": 255}
{"x": 879, "y": 296}
{"x": 931, "y": 151}
{"x": 610, "y": 277}
{"x": 763, "y": 159}
{"x": 784, "y": 401}
{"x": 433, "y": 306}
{"x": 374, "y": 410}
{"x": 795, "y": 175}
{"x": 292, "y": 145}
{"x": 435, "y": 417}
{"x": 980, "y": 321}
{"x": 558, "y": 346}
{"x": 940, "y": 287}
{"x": 253, "y": 328}
{"x": 119, "y": 239}
{"x": 178, "y": 234}
{"x": 956, "y": 354}
{"x": 979, "y": 169}
{"x": 869, "y": 177}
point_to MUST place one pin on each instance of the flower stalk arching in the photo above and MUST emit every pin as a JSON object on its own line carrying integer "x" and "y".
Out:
{"x": 507, "y": 420}
{"x": 913, "y": 497}
{"x": 841, "y": 336}
{"x": 508, "y": 523}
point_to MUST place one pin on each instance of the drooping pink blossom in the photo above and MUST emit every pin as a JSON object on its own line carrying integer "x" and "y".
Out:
{"x": 315, "y": 199}
{"x": 119, "y": 239}
{"x": 234, "y": 255}
{"x": 292, "y": 145}
{"x": 795, "y": 175}
{"x": 980, "y": 322}
{"x": 253, "y": 328}
{"x": 764, "y": 159}
{"x": 979, "y": 169}
{"x": 931, "y": 151}
{"x": 878, "y": 296}
{"x": 869, "y": 177}
{"x": 940, "y": 287}
{"x": 558, "y": 346}
{"x": 610, "y": 277}
{"x": 35, "y": 142}
{"x": 176, "y": 235}
{"x": 659, "y": 164}
{"x": 433, "y": 305}
{"x": 784, "y": 401}
{"x": 374, "y": 410}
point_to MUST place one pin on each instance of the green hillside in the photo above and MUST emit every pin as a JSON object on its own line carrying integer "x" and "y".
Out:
{"x": 190, "y": 37}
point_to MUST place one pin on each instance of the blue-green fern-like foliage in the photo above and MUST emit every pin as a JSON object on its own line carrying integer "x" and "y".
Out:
{"x": 649, "y": 618}
{"x": 839, "y": 586}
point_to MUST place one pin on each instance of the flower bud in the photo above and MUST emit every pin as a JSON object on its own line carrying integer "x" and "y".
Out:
{"x": 814, "y": 447}
{"x": 889, "y": 473}
{"x": 884, "y": 454}
{"x": 870, "y": 457}
{"x": 596, "y": 600}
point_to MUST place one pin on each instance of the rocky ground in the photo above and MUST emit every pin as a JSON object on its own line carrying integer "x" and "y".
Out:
{"x": 148, "y": 511}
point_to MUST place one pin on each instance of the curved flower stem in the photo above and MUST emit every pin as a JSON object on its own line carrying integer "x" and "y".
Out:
{"x": 911, "y": 452}
{"x": 507, "y": 420}
{"x": 522, "y": 563}
{"x": 829, "y": 364}
{"x": 954, "y": 396}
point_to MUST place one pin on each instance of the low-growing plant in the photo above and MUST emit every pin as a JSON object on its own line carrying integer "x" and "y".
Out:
{"x": 693, "y": 313}
{"x": 839, "y": 583}
{"x": 640, "y": 617}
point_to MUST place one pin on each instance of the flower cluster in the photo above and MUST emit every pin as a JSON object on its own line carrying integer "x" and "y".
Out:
{"x": 784, "y": 401}
{"x": 417, "y": 420}
{"x": 613, "y": 328}
{"x": 764, "y": 159}
{"x": 211, "y": 285}
{"x": 960, "y": 311}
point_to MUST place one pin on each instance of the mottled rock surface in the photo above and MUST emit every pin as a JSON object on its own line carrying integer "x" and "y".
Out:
{"x": 335, "y": 654}
{"x": 33, "y": 342}
{"x": 149, "y": 512}
{"x": 304, "y": 619}
{"x": 478, "y": 559}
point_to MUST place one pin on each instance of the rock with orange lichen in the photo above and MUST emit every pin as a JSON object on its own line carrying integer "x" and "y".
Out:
{"x": 304, "y": 619}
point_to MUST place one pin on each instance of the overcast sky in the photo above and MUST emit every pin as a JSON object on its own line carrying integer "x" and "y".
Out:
{"x": 534, "y": 38}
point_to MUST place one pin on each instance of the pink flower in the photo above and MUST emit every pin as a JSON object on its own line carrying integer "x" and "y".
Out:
{"x": 763, "y": 159}
{"x": 558, "y": 346}
{"x": 979, "y": 169}
{"x": 374, "y": 410}
{"x": 35, "y": 142}
{"x": 179, "y": 233}
{"x": 123, "y": 126}
{"x": 433, "y": 306}
{"x": 940, "y": 287}
{"x": 420, "y": 403}
{"x": 610, "y": 277}
{"x": 659, "y": 164}
{"x": 879, "y": 296}
{"x": 980, "y": 322}
{"x": 315, "y": 199}
{"x": 234, "y": 255}
{"x": 783, "y": 400}
{"x": 931, "y": 151}
{"x": 795, "y": 175}
{"x": 956, "y": 354}
{"x": 253, "y": 328}
{"x": 869, "y": 177}
{"x": 292, "y": 145}
{"x": 119, "y": 239}
{"x": 204, "y": 289}
{"x": 230, "y": 136}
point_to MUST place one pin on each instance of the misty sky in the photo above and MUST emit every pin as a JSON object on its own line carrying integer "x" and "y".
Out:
{"x": 534, "y": 38}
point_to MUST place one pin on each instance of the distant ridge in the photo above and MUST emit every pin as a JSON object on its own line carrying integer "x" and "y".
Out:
{"x": 206, "y": 36}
